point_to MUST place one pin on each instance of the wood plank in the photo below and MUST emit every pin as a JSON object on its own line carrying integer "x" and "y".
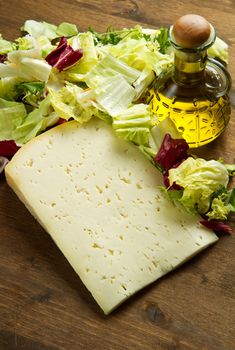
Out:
{"x": 43, "y": 304}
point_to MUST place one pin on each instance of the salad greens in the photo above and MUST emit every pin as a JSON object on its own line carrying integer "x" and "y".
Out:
{"x": 222, "y": 203}
{"x": 230, "y": 168}
{"x": 6, "y": 46}
{"x": 162, "y": 40}
{"x": 12, "y": 115}
{"x": 200, "y": 186}
{"x": 26, "y": 63}
{"x": 210, "y": 174}
{"x": 134, "y": 124}
{"x": 219, "y": 50}
{"x": 50, "y": 31}
{"x": 36, "y": 121}
{"x": 55, "y": 73}
{"x": 107, "y": 77}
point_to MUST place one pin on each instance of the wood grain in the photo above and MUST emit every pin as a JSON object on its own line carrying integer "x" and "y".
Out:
{"x": 43, "y": 304}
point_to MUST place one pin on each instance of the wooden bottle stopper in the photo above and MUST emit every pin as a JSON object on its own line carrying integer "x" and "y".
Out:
{"x": 191, "y": 31}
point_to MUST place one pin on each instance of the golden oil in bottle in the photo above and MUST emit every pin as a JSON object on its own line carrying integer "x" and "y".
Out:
{"x": 200, "y": 120}
{"x": 193, "y": 94}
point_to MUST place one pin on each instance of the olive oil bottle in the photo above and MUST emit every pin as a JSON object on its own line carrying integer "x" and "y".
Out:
{"x": 194, "y": 92}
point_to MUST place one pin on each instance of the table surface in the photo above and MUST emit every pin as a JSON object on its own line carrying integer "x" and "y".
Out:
{"x": 43, "y": 304}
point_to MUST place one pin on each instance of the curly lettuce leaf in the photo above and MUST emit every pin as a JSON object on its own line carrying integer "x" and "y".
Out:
{"x": 222, "y": 204}
{"x": 199, "y": 179}
{"x": 230, "y": 168}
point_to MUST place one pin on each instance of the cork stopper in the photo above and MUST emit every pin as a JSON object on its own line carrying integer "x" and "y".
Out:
{"x": 191, "y": 31}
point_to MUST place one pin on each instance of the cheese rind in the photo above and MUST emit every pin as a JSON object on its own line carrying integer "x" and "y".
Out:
{"x": 98, "y": 198}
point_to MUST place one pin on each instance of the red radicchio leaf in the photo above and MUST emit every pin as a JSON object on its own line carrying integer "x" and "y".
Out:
{"x": 64, "y": 55}
{"x": 8, "y": 148}
{"x": 3, "y": 58}
{"x": 171, "y": 152}
{"x": 170, "y": 155}
{"x": 217, "y": 226}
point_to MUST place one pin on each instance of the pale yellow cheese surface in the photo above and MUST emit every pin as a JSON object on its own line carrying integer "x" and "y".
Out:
{"x": 99, "y": 199}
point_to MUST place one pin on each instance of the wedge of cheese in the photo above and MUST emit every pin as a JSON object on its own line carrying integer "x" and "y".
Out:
{"x": 99, "y": 199}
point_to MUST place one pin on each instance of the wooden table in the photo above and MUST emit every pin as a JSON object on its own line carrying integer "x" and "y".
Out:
{"x": 43, "y": 304}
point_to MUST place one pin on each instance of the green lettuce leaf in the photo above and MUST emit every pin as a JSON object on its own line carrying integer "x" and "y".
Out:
{"x": 12, "y": 114}
{"x": 112, "y": 37}
{"x": 28, "y": 69}
{"x": 45, "y": 46}
{"x": 219, "y": 50}
{"x": 69, "y": 103}
{"x": 230, "y": 168}
{"x": 113, "y": 94}
{"x": 133, "y": 124}
{"x": 222, "y": 204}
{"x": 140, "y": 52}
{"x": 109, "y": 67}
{"x": 26, "y": 43}
{"x": 163, "y": 40}
{"x": 138, "y": 135}
{"x": 172, "y": 195}
{"x": 27, "y": 65}
{"x": 199, "y": 179}
{"x": 42, "y": 43}
{"x": 8, "y": 88}
{"x": 66, "y": 29}
{"x": 131, "y": 51}
{"x": 145, "y": 79}
{"x": 31, "y": 93}
{"x": 37, "y": 121}
{"x": 103, "y": 116}
{"x": 149, "y": 153}
{"x": 6, "y": 46}
{"x": 50, "y": 31}
{"x": 37, "y": 29}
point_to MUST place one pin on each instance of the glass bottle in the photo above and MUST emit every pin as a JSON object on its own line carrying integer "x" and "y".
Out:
{"x": 194, "y": 92}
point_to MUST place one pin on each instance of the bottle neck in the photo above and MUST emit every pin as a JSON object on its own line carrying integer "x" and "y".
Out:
{"x": 189, "y": 67}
